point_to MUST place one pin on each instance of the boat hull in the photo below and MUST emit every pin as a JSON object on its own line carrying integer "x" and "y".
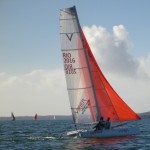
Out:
{"x": 120, "y": 132}
{"x": 75, "y": 133}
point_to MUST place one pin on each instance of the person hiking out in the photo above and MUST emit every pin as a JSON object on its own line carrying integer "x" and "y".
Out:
{"x": 107, "y": 123}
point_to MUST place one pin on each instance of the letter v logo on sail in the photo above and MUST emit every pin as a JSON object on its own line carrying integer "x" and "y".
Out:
{"x": 69, "y": 36}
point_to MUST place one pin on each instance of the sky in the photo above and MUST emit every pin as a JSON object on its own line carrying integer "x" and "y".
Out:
{"x": 32, "y": 78}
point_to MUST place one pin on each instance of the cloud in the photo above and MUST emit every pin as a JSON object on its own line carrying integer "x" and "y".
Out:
{"x": 111, "y": 50}
{"x": 40, "y": 91}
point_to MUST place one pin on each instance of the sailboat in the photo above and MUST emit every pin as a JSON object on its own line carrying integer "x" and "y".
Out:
{"x": 90, "y": 94}
{"x": 54, "y": 117}
{"x": 35, "y": 117}
{"x": 13, "y": 117}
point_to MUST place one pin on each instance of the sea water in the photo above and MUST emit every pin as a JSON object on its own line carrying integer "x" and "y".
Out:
{"x": 51, "y": 135}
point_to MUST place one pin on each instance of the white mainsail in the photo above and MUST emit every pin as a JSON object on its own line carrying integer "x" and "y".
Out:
{"x": 79, "y": 84}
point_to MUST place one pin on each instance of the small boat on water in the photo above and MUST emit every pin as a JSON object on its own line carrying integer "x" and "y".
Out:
{"x": 35, "y": 117}
{"x": 13, "y": 117}
{"x": 90, "y": 94}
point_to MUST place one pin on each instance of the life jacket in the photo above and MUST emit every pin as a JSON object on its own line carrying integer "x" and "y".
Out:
{"x": 101, "y": 124}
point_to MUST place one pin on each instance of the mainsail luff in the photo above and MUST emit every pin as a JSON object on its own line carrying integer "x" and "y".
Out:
{"x": 83, "y": 42}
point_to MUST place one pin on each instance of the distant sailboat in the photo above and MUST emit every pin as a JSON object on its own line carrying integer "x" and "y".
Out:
{"x": 13, "y": 117}
{"x": 90, "y": 94}
{"x": 35, "y": 117}
{"x": 54, "y": 118}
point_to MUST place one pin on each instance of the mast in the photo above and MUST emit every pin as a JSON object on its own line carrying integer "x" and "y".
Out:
{"x": 80, "y": 31}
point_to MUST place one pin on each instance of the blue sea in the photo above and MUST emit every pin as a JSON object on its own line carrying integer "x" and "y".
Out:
{"x": 51, "y": 135}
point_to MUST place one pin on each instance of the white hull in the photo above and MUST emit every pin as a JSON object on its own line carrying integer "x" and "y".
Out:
{"x": 75, "y": 133}
{"x": 120, "y": 132}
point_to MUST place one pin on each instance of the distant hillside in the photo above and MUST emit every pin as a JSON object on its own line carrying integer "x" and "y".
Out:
{"x": 145, "y": 115}
{"x": 59, "y": 117}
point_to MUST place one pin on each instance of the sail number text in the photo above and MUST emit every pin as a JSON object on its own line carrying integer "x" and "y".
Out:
{"x": 68, "y": 63}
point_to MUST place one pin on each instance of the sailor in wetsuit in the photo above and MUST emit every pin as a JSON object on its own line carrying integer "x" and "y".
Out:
{"x": 100, "y": 125}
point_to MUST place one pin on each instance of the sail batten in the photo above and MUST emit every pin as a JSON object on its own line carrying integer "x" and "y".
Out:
{"x": 72, "y": 49}
{"x": 90, "y": 94}
{"x": 80, "y": 88}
